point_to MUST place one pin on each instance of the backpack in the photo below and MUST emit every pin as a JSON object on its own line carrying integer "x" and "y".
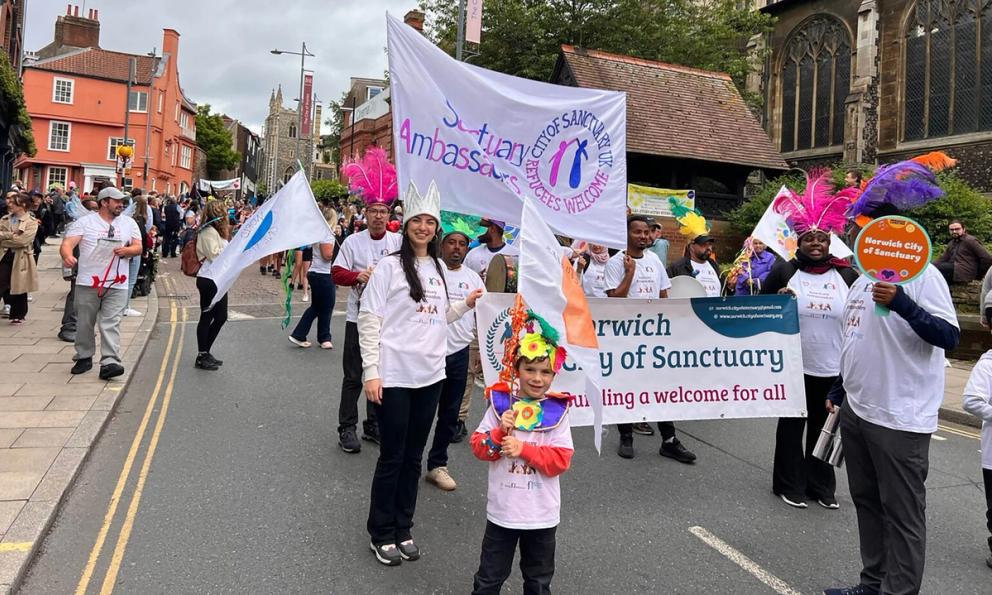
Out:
{"x": 188, "y": 261}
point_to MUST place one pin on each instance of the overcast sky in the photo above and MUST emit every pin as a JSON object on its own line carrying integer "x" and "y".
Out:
{"x": 224, "y": 45}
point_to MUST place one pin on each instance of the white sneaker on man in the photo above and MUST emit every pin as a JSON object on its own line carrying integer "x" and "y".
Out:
{"x": 440, "y": 477}
{"x": 131, "y": 312}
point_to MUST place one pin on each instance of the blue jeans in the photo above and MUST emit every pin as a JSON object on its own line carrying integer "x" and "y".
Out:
{"x": 456, "y": 375}
{"x": 321, "y": 307}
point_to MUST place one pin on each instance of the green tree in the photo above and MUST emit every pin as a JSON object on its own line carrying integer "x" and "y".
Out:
{"x": 328, "y": 190}
{"x": 215, "y": 140}
{"x": 14, "y": 110}
{"x": 336, "y": 123}
{"x": 261, "y": 189}
{"x": 523, "y": 37}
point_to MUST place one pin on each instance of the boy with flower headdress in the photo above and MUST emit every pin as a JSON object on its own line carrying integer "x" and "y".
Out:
{"x": 526, "y": 438}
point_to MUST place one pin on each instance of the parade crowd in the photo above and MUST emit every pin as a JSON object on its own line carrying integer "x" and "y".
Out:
{"x": 407, "y": 275}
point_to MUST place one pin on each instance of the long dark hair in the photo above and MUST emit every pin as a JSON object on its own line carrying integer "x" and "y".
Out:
{"x": 408, "y": 260}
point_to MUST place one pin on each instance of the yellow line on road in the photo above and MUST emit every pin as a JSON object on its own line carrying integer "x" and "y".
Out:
{"x": 132, "y": 511}
{"x": 958, "y": 432}
{"x": 115, "y": 498}
{"x": 16, "y": 546}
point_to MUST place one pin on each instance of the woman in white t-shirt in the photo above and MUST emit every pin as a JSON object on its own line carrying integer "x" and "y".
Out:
{"x": 402, "y": 326}
{"x": 820, "y": 283}
{"x": 322, "y": 288}
{"x": 592, "y": 264}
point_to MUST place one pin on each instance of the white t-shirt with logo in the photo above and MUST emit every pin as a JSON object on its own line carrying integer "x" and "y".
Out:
{"x": 650, "y": 278}
{"x": 461, "y": 282}
{"x": 821, "y": 300}
{"x": 478, "y": 258}
{"x": 893, "y": 378}
{"x": 358, "y": 252}
{"x": 980, "y": 385}
{"x": 707, "y": 275}
{"x": 594, "y": 279}
{"x": 98, "y": 267}
{"x": 413, "y": 337}
{"x": 519, "y": 496}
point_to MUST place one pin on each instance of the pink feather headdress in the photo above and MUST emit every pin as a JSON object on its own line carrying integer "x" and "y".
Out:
{"x": 817, "y": 208}
{"x": 373, "y": 177}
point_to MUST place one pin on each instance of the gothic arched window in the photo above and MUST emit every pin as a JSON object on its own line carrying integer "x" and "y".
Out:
{"x": 948, "y": 88}
{"x": 292, "y": 131}
{"x": 816, "y": 78}
{"x": 288, "y": 174}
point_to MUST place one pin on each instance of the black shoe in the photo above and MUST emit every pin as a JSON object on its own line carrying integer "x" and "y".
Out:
{"x": 387, "y": 554}
{"x": 460, "y": 432}
{"x": 348, "y": 441}
{"x": 626, "y": 449}
{"x": 858, "y": 590}
{"x": 109, "y": 371}
{"x": 202, "y": 362}
{"x": 214, "y": 360}
{"x": 409, "y": 550}
{"x": 642, "y": 428}
{"x": 262, "y": 269}
{"x": 299, "y": 286}
{"x": 82, "y": 365}
{"x": 675, "y": 450}
{"x": 828, "y": 502}
{"x": 793, "y": 501}
{"x": 67, "y": 337}
{"x": 370, "y": 432}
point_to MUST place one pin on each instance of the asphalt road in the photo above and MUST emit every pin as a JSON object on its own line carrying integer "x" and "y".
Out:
{"x": 248, "y": 493}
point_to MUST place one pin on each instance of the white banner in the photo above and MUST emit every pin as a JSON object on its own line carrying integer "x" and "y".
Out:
{"x": 489, "y": 139}
{"x": 677, "y": 359}
{"x": 209, "y": 185}
{"x": 775, "y": 233}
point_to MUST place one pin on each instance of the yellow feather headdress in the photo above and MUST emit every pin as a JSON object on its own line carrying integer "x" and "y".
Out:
{"x": 692, "y": 224}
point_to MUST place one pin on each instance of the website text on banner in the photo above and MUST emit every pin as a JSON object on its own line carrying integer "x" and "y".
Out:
{"x": 489, "y": 140}
{"x": 653, "y": 202}
{"x": 678, "y": 359}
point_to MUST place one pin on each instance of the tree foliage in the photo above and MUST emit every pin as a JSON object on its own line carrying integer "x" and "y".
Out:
{"x": 14, "y": 110}
{"x": 215, "y": 140}
{"x": 523, "y": 37}
{"x": 336, "y": 123}
{"x": 962, "y": 202}
{"x": 328, "y": 190}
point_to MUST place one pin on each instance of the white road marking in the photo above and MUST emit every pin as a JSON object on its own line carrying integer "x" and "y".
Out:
{"x": 939, "y": 438}
{"x": 235, "y": 315}
{"x": 777, "y": 584}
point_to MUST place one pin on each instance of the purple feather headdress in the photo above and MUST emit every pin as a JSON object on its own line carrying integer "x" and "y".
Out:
{"x": 904, "y": 185}
{"x": 374, "y": 177}
{"x": 816, "y": 209}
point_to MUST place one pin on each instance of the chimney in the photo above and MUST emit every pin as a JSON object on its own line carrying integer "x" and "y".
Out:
{"x": 76, "y": 31}
{"x": 415, "y": 19}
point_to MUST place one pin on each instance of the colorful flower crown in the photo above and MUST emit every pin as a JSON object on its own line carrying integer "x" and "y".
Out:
{"x": 539, "y": 340}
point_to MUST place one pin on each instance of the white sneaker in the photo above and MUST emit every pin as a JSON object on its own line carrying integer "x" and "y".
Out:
{"x": 131, "y": 312}
{"x": 306, "y": 297}
{"x": 30, "y": 298}
{"x": 439, "y": 476}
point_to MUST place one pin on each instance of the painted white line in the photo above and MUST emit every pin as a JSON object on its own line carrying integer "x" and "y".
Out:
{"x": 777, "y": 584}
{"x": 939, "y": 438}
{"x": 235, "y": 315}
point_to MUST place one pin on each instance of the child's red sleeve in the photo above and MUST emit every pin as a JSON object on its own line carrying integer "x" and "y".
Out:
{"x": 548, "y": 460}
{"x": 480, "y": 450}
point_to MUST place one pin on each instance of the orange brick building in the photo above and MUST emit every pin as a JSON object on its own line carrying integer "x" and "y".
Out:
{"x": 76, "y": 94}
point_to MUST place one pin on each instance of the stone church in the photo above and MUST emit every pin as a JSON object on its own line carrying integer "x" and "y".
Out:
{"x": 876, "y": 81}
{"x": 280, "y": 144}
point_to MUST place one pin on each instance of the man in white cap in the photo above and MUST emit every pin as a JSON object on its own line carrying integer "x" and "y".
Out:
{"x": 106, "y": 240}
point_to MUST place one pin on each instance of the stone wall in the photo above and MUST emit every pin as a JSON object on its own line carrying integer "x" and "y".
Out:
{"x": 966, "y": 296}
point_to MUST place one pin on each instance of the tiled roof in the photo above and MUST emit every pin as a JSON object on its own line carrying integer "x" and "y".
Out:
{"x": 677, "y": 111}
{"x": 99, "y": 63}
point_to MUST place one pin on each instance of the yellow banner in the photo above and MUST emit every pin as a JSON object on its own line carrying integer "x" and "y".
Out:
{"x": 644, "y": 200}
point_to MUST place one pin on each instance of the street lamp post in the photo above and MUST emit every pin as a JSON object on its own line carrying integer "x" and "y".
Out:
{"x": 303, "y": 53}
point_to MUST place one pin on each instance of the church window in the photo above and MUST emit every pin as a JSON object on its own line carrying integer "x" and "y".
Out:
{"x": 288, "y": 174}
{"x": 292, "y": 131}
{"x": 815, "y": 78}
{"x": 948, "y": 77}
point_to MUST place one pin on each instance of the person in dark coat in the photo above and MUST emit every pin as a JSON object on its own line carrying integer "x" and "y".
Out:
{"x": 173, "y": 225}
{"x": 965, "y": 259}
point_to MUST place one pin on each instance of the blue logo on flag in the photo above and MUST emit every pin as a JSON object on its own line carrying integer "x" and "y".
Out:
{"x": 263, "y": 229}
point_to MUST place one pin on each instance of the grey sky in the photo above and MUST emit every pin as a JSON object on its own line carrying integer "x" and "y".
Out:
{"x": 224, "y": 45}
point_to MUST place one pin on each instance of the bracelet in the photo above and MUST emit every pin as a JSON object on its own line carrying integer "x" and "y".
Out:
{"x": 491, "y": 445}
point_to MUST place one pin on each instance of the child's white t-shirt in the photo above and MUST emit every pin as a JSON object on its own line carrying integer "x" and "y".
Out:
{"x": 520, "y": 497}
{"x": 978, "y": 401}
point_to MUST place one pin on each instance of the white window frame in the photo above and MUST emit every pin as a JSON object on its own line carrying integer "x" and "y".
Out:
{"x": 137, "y": 102}
{"x": 68, "y": 135}
{"x": 112, "y": 147}
{"x": 161, "y": 96}
{"x": 177, "y": 111}
{"x": 183, "y": 120}
{"x": 186, "y": 158}
{"x": 55, "y": 86}
{"x": 368, "y": 92}
{"x": 172, "y": 155}
{"x": 65, "y": 177}
{"x": 153, "y": 183}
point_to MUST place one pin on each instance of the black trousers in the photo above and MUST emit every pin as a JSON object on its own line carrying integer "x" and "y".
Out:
{"x": 351, "y": 384}
{"x": 456, "y": 376}
{"x": 987, "y": 476}
{"x": 665, "y": 428}
{"x": 211, "y": 320}
{"x": 18, "y": 303}
{"x": 947, "y": 270}
{"x": 170, "y": 242}
{"x": 886, "y": 470}
{"x": 405, "y": 417}
{"x": 537, "y": 559}
{"x": 796, "y": 472}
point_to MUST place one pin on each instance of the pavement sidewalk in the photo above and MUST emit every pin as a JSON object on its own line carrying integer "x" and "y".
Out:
{"x": 49, "y": 419}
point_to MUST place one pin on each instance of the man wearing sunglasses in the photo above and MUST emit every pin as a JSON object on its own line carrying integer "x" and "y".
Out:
{"x": 107, "y": 239}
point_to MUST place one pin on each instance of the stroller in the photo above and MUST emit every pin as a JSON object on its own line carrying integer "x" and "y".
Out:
{"x": 146, "y": 272}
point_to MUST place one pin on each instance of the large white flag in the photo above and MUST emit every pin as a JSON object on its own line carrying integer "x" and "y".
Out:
{"x": 551, "y": 288}
{"x": 775, "y": 233}
{"x": 288, "y": 220}
{"x": 489, "y": 140}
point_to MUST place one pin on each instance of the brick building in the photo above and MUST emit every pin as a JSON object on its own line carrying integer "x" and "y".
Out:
{"x": 876, "y": 81}
{"x": 367, "y": 119}
{"x": 12, "y": 142}
{"x": 249, "y": 147}
{"x": 279, "y": 144}
{"x": 76, "y": 94}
